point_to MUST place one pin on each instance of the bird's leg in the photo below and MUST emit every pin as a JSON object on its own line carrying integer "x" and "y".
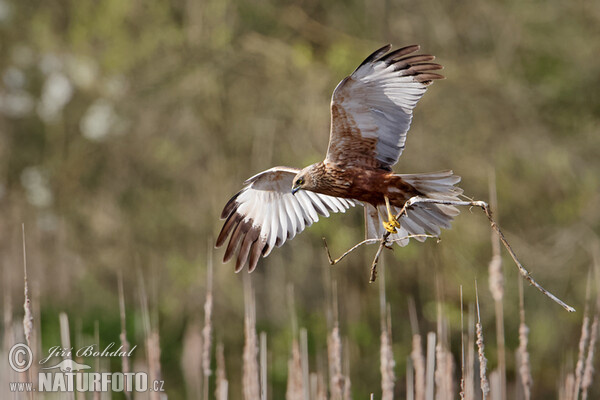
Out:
{"x": 392, "y": 223}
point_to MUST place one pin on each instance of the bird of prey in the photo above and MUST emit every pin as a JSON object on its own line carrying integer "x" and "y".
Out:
{"x": 371, "y": 112}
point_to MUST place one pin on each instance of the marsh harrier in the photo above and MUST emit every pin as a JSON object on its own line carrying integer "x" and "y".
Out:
{"x": 371, "y": 112}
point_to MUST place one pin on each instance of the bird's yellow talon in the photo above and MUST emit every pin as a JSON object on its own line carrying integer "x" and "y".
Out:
{"x": 391, "y": 225}
{"x": 392, "y": 222}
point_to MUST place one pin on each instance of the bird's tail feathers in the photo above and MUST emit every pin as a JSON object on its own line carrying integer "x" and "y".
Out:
{"x": 421, "y": 219}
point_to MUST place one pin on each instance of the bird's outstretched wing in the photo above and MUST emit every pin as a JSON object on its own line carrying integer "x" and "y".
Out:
{"x": 265, "y": 214}
{"x": 371, "y": 110}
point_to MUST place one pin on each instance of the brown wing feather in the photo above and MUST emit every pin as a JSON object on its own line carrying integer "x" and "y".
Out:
{"x": 371, "y": 110}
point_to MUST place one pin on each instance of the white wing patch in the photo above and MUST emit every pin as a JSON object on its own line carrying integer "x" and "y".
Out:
{"x": 265, "y": 214}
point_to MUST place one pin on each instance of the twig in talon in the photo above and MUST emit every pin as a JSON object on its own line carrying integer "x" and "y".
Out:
{"x": 337, "y": 260}
{"x": 367, "y": 241}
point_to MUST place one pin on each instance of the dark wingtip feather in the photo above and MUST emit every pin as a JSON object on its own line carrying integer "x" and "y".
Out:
{"x": 376, "y": 54}
{"x": 251, "y": 237}
{"x": 235, "y": 239}
{"x": 230, "y": 206}
{"x": 255, "y": 252}
{"x": 428, "y": 78}
{"x": 231, "y": 222}
{"x": 399, "y": 53}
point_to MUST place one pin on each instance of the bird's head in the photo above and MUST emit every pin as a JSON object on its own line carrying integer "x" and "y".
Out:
{"x": 304, "y": 180}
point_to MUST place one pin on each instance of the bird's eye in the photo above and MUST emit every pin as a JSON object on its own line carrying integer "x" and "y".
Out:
{"x": 299, "y": 181}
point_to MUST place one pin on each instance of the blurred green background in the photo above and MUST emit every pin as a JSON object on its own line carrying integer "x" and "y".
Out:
{"x": 125, "y": 126}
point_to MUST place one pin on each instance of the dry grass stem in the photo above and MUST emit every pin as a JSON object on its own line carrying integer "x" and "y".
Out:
{"x": 496, "y": 284}
{"x": 304, "y": 351}
{"x": 65, "y": 341}
{"x": 589, "y": 362}
{"x": 263, "y": 366}
{"x": 295, "y": 389}
{"x": 387, "y": 362}
{"x": 153, "y": 351}
{"x": 28, "y": 318}
{"x": 191, "y": 360}
{"x": 152, "y": 341}
{"x": 347, "y": 381}
{"x": 583, "y": 340}
{"x": 418, "y": 360}
{"x": 222, "y": 385}
{"x": 524, "y": 365}
{"x": 410, "y": 380}
{"x": 123, "y": 335}
{"x": 334, "y": 356}
{"x": 250, "y": 384}
{"x": 386, "y": 355}
{"x": 484, "y": 383}
{"x": 470, "y": 365}
{"x": 28, "y": 315}
{"x": 207, "y": 330}
{"x": 462, "y": 348}
{"x": 444, "y": 363}
{"x": 430, "y": 374}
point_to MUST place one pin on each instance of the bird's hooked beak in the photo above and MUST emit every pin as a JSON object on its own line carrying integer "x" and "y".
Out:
{"x": 295, "y": 189}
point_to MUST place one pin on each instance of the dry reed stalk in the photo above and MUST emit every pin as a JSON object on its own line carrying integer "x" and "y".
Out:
{"x": 496, "y": 284}
{"x": 444, "y": 363}
{"x": 589, "y": 362}
{"x": 583, "y": 340}
{"x": 153, "y": 351}
{"x": 207, "y": 330}
{"x": 321, "y": 387}
{"x": 65, "y": 342}
{"x": 96, "y": 395}
{"x": 418, "y": 359}
{"x": 28, "y": 316}
{"x": 222, "y": 385}
{"x": 191, "y": 360}
{"x": 524, "y": 366}
{"x": 462, "y": 348}
{"x": 152, "y": 341}
{"x": 334, "y": 351}
{"x": 79, "y": 343}
{"x": 7, "y": 374}
{"x": 313, "y": 385}
{"x": 334, "y": 356}
{"x": 444, "y": 369}
{"x": 470, "y": 368}
{"x": 250, "y": 380}
{"x": 495, "y": 382}
{"x": 123, "y": 336}
{"x": 386, "y": 356}
{"x": 295, "y": 379}
{"x": 567, "y": 390}
{"x": 347, "y": 382}
{"x": 387, "y": 362}
{"x": 65, "y": 338}
{"x": 295, "y": 388}
{"x": 410, "y": 380}
{"x": 440, "y": 361}
{"x": 263, "y": 366}
{"x": 430, "y": 371}
{"x": 485, "y": 386}
{"x": 304, "y": 352}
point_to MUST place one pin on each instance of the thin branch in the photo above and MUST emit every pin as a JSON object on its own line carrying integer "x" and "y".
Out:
{"x": 383, "y": 242}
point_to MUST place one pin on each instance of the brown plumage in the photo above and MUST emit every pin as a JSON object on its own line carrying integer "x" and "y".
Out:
{"x": 371, "y": 112}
